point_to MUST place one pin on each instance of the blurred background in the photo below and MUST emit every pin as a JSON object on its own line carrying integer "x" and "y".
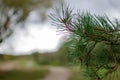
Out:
{"x": 30, "y": 46}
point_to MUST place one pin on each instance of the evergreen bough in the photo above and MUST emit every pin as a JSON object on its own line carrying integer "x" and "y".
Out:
{"x": 95, "y": 41}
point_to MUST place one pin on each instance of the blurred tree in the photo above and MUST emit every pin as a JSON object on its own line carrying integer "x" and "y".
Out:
{"x": 57, "y": 58}
{"x": 95, "y": 42}
{"x": 36, "y": 55}
{"x": 13, "y": 12}
{"x": 62, "y": 54}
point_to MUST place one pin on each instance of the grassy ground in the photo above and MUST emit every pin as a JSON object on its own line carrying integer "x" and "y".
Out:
{"x": 23, "y": 75}
{"x": 23, "y": 70}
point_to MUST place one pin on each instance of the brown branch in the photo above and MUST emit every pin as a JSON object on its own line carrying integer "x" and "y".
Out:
{"x": 99, "y": 29}
{"x": 67, "y": 26}
{"x": 99, "y": 67}
{"x": 6, "y": 24}
{"x": 89, "y": 52}
{"x": 95, "y": 36}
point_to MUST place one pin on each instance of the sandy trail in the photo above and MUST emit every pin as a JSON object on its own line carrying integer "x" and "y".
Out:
{"x": 58, "y": 73}
{"x": 10, "y": 65}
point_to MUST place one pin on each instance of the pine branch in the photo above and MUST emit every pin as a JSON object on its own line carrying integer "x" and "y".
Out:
{"x": 93, "y": 28}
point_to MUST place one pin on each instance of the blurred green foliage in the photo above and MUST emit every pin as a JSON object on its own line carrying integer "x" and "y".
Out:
{"x": 24, "y": 6}
{"x": 57, "y": 58}
{"x": 15, "y": 12}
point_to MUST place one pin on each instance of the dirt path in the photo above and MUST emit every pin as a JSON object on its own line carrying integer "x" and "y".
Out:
{"x": 58, "y": 73}
{"x": 10, "y": 65}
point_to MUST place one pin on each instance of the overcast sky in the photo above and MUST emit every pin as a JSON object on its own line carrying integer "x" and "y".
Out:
{"x": 42, "y": 37}
{"x": 109, "y": 7}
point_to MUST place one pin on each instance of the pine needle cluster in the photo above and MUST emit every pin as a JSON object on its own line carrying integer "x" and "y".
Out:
{"x": 94, "y": 41}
